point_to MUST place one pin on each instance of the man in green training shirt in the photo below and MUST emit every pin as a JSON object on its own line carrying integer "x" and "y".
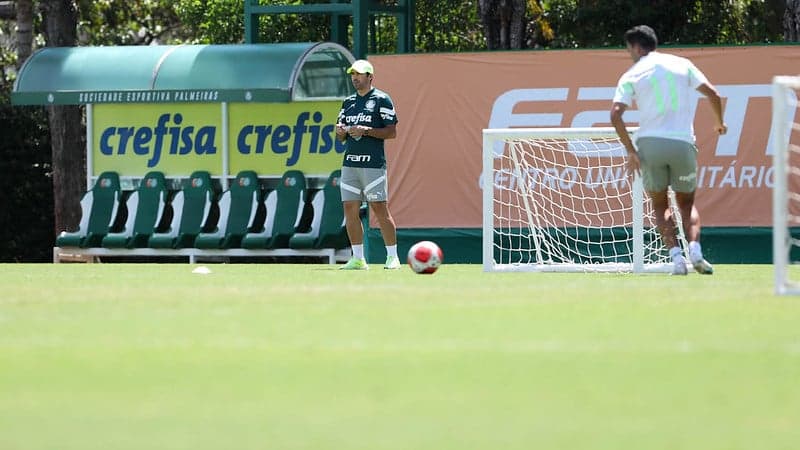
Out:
{"x": 366, "y": 120}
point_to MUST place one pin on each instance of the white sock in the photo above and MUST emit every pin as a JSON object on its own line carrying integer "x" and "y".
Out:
{"x": 695, "y": 252}
{"x": 675, "y": 252}
{"x": 391, "y": 250}
{"x": 358, "y": 251}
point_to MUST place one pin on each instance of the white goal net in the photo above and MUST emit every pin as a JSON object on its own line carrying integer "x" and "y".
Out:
{"x": 785, "y": 136}
{"x": 560, "y": 199}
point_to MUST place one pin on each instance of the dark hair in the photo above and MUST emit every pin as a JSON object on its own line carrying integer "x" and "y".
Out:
{"x": 642, "y": 35}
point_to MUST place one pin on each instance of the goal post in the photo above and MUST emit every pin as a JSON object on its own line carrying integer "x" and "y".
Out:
{"x": 561, "y": 200}
{"x": 784, "y": 134}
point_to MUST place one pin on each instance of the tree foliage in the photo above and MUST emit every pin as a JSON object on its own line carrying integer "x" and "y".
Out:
{"x": 126, "y": 22}
{"x": 440, "y": 26}
{"x": 595, "y": 23}
{"x": 212, "y": 21}
{"x": 26, "y": 225}
{"x": 474, "y": 25}
{"x": 791, "y": 21}
{"x": 447, "y": 26}
{"x": 503, "y": 23}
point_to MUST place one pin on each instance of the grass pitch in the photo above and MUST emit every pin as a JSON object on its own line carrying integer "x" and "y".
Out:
{"x": 147, "y": 356}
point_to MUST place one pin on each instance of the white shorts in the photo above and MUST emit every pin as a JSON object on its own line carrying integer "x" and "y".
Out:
{"x": 363, "y": 184}
{"x": 667, "y": 162}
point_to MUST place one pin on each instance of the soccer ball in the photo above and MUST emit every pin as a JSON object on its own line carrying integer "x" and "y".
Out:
{"x": 425, "y": 257}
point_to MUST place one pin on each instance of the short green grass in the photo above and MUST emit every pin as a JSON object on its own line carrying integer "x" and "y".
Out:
{"x": 257, "y": 356}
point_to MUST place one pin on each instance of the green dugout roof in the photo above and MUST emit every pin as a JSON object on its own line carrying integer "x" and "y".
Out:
{"x": 184, "y": 73}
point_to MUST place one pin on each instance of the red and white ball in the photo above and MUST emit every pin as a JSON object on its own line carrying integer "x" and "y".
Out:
{"x": 425, "y": 257}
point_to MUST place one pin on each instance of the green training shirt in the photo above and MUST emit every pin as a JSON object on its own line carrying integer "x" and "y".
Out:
{"x": 374, "y": 110}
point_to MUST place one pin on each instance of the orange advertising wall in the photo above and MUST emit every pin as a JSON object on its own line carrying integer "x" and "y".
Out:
{"x": 444, "y": 101}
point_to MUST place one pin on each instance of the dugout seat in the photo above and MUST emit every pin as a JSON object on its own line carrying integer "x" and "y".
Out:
{"x": 99, "y": 207}
{"x": 191, "y": 208}
{"x": 327, "y": 225}
{"x": 145, "y": 209}
{"x": 284, "y": 207}
{"x": 238, "y": 207}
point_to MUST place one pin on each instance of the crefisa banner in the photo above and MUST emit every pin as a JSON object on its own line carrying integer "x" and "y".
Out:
{"x": 444, "y": 101}
{"x": 179, "y": 138}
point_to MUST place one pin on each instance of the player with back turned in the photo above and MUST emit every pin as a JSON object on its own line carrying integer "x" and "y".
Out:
{"x": 663, "y": 87}
{"x": 366, "y": 120}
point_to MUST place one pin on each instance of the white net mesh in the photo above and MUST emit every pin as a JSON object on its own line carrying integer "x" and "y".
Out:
{"x": 565, "y": 203}
{"x": 785, "y": 134}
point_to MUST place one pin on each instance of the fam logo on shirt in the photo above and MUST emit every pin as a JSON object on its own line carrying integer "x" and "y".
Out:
{"x": 370, "y": 105}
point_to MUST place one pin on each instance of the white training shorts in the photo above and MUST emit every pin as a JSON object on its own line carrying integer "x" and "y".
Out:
{"x": 363, "y": 184}
{"x": 667, "y": 162}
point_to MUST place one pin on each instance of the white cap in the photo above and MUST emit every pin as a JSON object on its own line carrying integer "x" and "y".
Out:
{"x": 361, "y": 66}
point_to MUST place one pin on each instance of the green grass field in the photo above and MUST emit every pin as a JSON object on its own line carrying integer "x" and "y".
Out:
{"x": 146, "y": 356}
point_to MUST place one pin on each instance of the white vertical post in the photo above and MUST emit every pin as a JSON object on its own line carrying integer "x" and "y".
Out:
{"x": 637, "y": 192}
{"x": 488, "y": 202}
{"x": 89, "y": 146}
{"x": 225, "y": 149}
{"x": 780, "y": 255}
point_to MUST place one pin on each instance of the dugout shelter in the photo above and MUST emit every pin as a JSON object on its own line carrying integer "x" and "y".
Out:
{"x": 223, "y": 108}
{"x": 178, "y": 109}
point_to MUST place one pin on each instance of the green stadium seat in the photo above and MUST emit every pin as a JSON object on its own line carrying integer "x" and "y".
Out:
{"x": 328, "y": 225}
{"x": 237, "y": 211}
{"x": 191, "y": 207}
{"x": 99, "y": 208}
{"x": 284, "y": 210}
{"x": 145, "y": 209}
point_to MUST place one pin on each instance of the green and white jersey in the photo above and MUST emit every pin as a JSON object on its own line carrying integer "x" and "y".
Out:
{"x": 664, "y": 88}
{"x": 375, "y": 110}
